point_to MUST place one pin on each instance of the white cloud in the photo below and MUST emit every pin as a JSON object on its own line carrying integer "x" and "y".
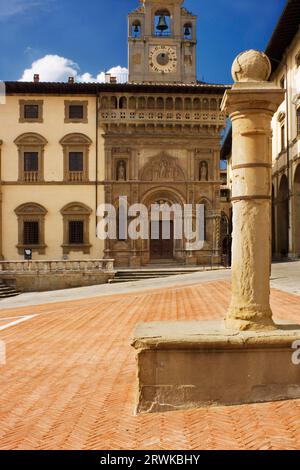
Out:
{"x": 54, "y": 68}
{"x": 10, "y": 8}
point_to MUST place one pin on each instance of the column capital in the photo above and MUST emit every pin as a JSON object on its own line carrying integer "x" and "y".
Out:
{"x": 252, "y": 97}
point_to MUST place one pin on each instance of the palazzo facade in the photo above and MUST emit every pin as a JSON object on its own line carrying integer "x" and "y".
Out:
{"x": 68, "y": 147}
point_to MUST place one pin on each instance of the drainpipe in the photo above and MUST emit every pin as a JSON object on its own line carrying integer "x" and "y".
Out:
{"x": 96, "y": 163}
{"x": 288, "y": 155}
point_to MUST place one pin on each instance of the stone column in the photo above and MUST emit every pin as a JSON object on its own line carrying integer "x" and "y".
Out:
{"x": 251, "y": 105}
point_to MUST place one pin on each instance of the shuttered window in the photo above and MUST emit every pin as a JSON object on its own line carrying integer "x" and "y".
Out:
{"x": 76, "y": 232}
{"x": 31, "y": 233}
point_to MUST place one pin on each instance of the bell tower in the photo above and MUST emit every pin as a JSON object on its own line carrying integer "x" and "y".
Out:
{"x": 162, "y": 43}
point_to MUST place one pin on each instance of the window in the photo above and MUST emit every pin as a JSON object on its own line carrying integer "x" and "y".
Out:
{"x": 283, "y": 137}
{"x": 76, "y": 218}
{"x": 76, "y": 232}
{"x": 31, "y": 111}
{"x": 76, "y": 111}
{"x": 136, "y": 29}
{"x": 76, "y": 156}
{"x": 31, "y": 157}
{"x": 31, "y": 233}
{"x": 31, "y": 227}
{"x": 31, "y": 161}
{"x": 76, "y": 161}
{"x": 298, "y": 122}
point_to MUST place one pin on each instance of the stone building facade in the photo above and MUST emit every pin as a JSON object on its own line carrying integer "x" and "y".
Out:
{"x": 284, "y": 52}
{"x": 68, "y": 147}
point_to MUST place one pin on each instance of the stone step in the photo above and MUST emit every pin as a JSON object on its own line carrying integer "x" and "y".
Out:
{"x": 11, "y": 294}
{"x": 144, "y": 274}
{"x": 7, "y": 291}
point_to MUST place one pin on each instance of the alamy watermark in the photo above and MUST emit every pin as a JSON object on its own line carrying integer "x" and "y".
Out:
{"x": 296, "y": 354}
{"x": 162, "y": 221}
{"x": 2, "y": 93}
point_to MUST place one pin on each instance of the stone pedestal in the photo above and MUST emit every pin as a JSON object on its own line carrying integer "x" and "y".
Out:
{"x": 194, "y": 364}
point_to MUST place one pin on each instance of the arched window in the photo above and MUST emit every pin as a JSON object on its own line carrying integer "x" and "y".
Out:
{"x": 213, "y": 104}
{"x": 104, "y": 102}
{"x": 188, "y": 31}
{"x": 136, "y": 29}
{"x": 160, "y": 103}
{"x": 162, "y": 23}
{"x": 205, "y": 104}
{"x": 132, "y": 103}
{"x": 76, "y": 218}
{"x": 76, "y": 156}
{"x": 197, "y": 104}
{"x": 169, "y": 103}
{"x": 151, "y": 103}
{"x": 31, "y": 157}
{"x": 178, "y": 104}
{"x": 31, "y": 227}
{"x": 113, "y": 102}
{"x": 141, "y": 103}
{"x": 123, "y": 102}
{"x": 187, "y": 103}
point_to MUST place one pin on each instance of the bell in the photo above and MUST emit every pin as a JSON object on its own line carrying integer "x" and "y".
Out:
{"x": 187, "y": 31}
{"x": 136, "y": 29}
{"x": 162, "y": 24}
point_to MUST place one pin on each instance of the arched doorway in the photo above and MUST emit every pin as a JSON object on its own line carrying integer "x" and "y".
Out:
{"x": 283, "y": 217}
{"x": 297, "y": 210}
{"x": 162, "y": 245}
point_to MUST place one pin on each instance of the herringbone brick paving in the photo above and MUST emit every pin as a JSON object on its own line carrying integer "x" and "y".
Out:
{"x": 70, "y": 376}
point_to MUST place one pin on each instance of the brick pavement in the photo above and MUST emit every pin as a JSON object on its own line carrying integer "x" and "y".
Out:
{"x": 69, "y": 379}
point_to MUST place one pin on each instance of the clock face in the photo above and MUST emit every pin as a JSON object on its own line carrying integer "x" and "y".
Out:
{"x": 163, "y": 59}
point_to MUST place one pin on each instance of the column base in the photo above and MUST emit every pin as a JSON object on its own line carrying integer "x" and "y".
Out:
{"x": 199, "y": 364}
{"x": 249, "y": 318}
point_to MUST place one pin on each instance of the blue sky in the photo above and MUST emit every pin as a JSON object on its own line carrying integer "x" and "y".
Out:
{"x": 91, "y": 36}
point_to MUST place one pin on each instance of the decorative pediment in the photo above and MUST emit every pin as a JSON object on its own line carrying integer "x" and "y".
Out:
{"x": 76, "y": 139}
{"x": 186, "y": 12}
{"x": 31, "y": 138}
{"x": 31, "y": 208}
{"x": 76, "y": 208}
{"x": 162, "y": 168}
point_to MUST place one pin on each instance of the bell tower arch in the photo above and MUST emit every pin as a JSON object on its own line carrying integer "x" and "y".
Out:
{"x": 162, "y": 40}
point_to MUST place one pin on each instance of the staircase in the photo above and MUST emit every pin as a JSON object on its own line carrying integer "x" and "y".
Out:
{"x": 7, "y": 291}
{"x": 131, "y": 275}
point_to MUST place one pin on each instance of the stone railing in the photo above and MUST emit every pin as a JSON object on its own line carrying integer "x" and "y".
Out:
{"x": 207, "y": 117}
{"x": 64, "y": 266}
{"x": 31, "y": 176}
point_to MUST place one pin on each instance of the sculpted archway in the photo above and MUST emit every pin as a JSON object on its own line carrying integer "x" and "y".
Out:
{"x": 162, "y": 167}
{"x": 171, "y": 248}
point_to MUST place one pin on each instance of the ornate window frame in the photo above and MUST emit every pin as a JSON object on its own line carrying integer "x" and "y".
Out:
{"x": 76, "y": 142}
{"x": 31, "y": 212}
{"x": 31, "y": 142}
{"x": 69, "y": 103}
{"x": 76, "y": 211}
{"x": 23, "y": 103}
